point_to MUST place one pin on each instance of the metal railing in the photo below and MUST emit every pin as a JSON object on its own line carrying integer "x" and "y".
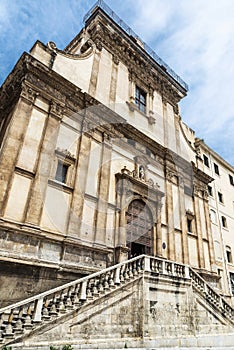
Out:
{"x": 101, "y": 4}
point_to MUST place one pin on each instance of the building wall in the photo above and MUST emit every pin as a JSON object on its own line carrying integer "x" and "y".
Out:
{"x": 76, "y": 111}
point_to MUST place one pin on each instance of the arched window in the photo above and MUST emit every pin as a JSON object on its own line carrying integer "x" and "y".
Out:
{"x": 139, "y": 228}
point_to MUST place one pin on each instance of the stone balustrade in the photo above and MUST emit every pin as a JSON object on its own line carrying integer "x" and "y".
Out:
{"x": 20, "y": 318}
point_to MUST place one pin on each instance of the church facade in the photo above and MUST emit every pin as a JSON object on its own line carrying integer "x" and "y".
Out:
{"x": 98, "y": 167}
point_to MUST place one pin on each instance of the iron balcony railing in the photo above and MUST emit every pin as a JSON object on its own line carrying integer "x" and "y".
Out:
{"x": 101, "y": 4}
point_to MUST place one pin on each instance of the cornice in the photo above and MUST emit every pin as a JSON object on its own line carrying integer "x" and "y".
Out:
{"x": 140, "y": 66}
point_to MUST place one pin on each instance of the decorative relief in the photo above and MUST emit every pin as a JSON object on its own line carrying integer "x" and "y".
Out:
{"x": 28, "y": 93}
{"x": 56, "y": 109}
{"x": 137, "y": 65}
{"x": 85, "y": 51}
{"x": 171, "y": 176}
{"x": 140, "y": 176}
{"x": 65, "y": 153}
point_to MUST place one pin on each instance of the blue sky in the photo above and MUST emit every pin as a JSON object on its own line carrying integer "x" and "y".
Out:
{"x": 195, "y": 38}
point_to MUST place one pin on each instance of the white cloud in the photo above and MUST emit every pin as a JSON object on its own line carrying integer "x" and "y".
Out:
{"x": 194, "y": 37}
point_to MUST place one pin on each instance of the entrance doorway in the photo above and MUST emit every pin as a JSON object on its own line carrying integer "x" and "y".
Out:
{"x": 139, "y": 228}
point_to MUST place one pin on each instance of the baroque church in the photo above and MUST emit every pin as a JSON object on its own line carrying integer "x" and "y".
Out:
{"x": 116, "y": 221}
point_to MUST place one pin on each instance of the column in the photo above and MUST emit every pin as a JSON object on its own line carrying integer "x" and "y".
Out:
{"x": 95, "y": 70}
{"x": 198, "y": 227}
{"x": 77, "y": 203}
{"x": 40, "y": 182}
{"x": 114, "y": 77}
{"x": 170, "y": 216}
{"x": 209, "y": 235}
{"x": 14, "y": 139}
{"x": 158, "y": 232}
{"x": 121, "y": 251}
{"x": 103, "y": 193}
{"x": 183, "y": 223}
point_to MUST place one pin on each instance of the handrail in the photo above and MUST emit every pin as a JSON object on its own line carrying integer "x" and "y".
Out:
{"x": 101, "y": 4}
{"x": 31, "y": 312}
{"x": 67, "y": 285}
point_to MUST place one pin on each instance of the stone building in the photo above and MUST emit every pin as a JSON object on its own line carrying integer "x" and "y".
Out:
{"x": 97, "y": 166}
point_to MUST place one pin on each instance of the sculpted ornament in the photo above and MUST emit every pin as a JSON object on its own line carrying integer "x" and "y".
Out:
{"x": 28, "y": 93}
{"x": 56, "y": 109}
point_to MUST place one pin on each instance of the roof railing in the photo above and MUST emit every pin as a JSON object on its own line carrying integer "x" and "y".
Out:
{"x": 101, "y": 4}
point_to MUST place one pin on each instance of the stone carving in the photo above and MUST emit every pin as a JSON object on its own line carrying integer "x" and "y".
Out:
{"x": 28, "y": 93}
{"x": 141, "y": 172}
{"x": 86, "y": 50}
{"x": 137, "y": 65}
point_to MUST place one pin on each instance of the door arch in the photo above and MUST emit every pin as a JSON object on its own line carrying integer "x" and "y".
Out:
{"x": 139, "y": 230}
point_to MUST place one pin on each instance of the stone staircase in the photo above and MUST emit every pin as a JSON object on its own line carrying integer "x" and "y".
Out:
{"x": 88, "y": 295}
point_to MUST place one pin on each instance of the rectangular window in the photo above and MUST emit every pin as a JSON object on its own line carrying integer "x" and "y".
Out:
{"x": 229, "y": 254}
{"x": 210, "y": 190}
{"x": 232, "y": 282}
{"x": 224, "y": 221}
{"x": 220, "y": 196}
{"x": 231, "y": 180}
{"x": 216, "y": 169}
{"x": 61, "y": 172}
{"x": 140, "y": 99}
{"x": 189, "y": 225}
{"x": 206, "y": 160}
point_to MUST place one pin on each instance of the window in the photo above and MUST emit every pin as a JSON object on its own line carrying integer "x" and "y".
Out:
{"x": 220, "y": 197}
{"x": 229, "y": 254}
{"x": 232, "y": 282}
{"x": 213, "y": 216}
{"x": 231, "y": 180}
{"x": 224, "y": 221}
{"x": 61, "y": 172}
{"x": 206, "y": 160}
{"x": 189, "y": 225}
{"x": 210, "y": 190}
{"x": 216, "y": 169}
{"x": 140, "y": 99}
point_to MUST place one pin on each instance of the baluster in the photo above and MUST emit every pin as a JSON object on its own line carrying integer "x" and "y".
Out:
{"x": 68, "y": 302}
{"x": 111, "y": 280}
{"x": 61, "y": 306}
{"x": 95, "y": 288}
{"x": 122, "y": 280}
{"x": 130, "y": 269}
{"x": 1, "y": 328}
{"x": 28, "y": 319}
{"x": 53, "y": 306}
{"x": 134, "y": 271}
{"x": 75, "y": 299}
{"x": 18, "y": 327}
{"x": 106, "y": 281}
{"x": 164, "y": 267}
{"x": 8, "y": 331}
{"x": 88, "y": 292}
{"x": 45, "y": 311}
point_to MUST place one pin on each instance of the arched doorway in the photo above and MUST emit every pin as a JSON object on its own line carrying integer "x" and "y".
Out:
{"x": 139, "y": 228}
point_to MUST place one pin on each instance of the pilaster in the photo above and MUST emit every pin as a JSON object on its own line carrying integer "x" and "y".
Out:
{"x": 201, "y": 258}
{"x": 77, "y": 203}
{"x": 40, "y": 182}
{"x": 104, "y": 181}
{"x": 14, "y": 140}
